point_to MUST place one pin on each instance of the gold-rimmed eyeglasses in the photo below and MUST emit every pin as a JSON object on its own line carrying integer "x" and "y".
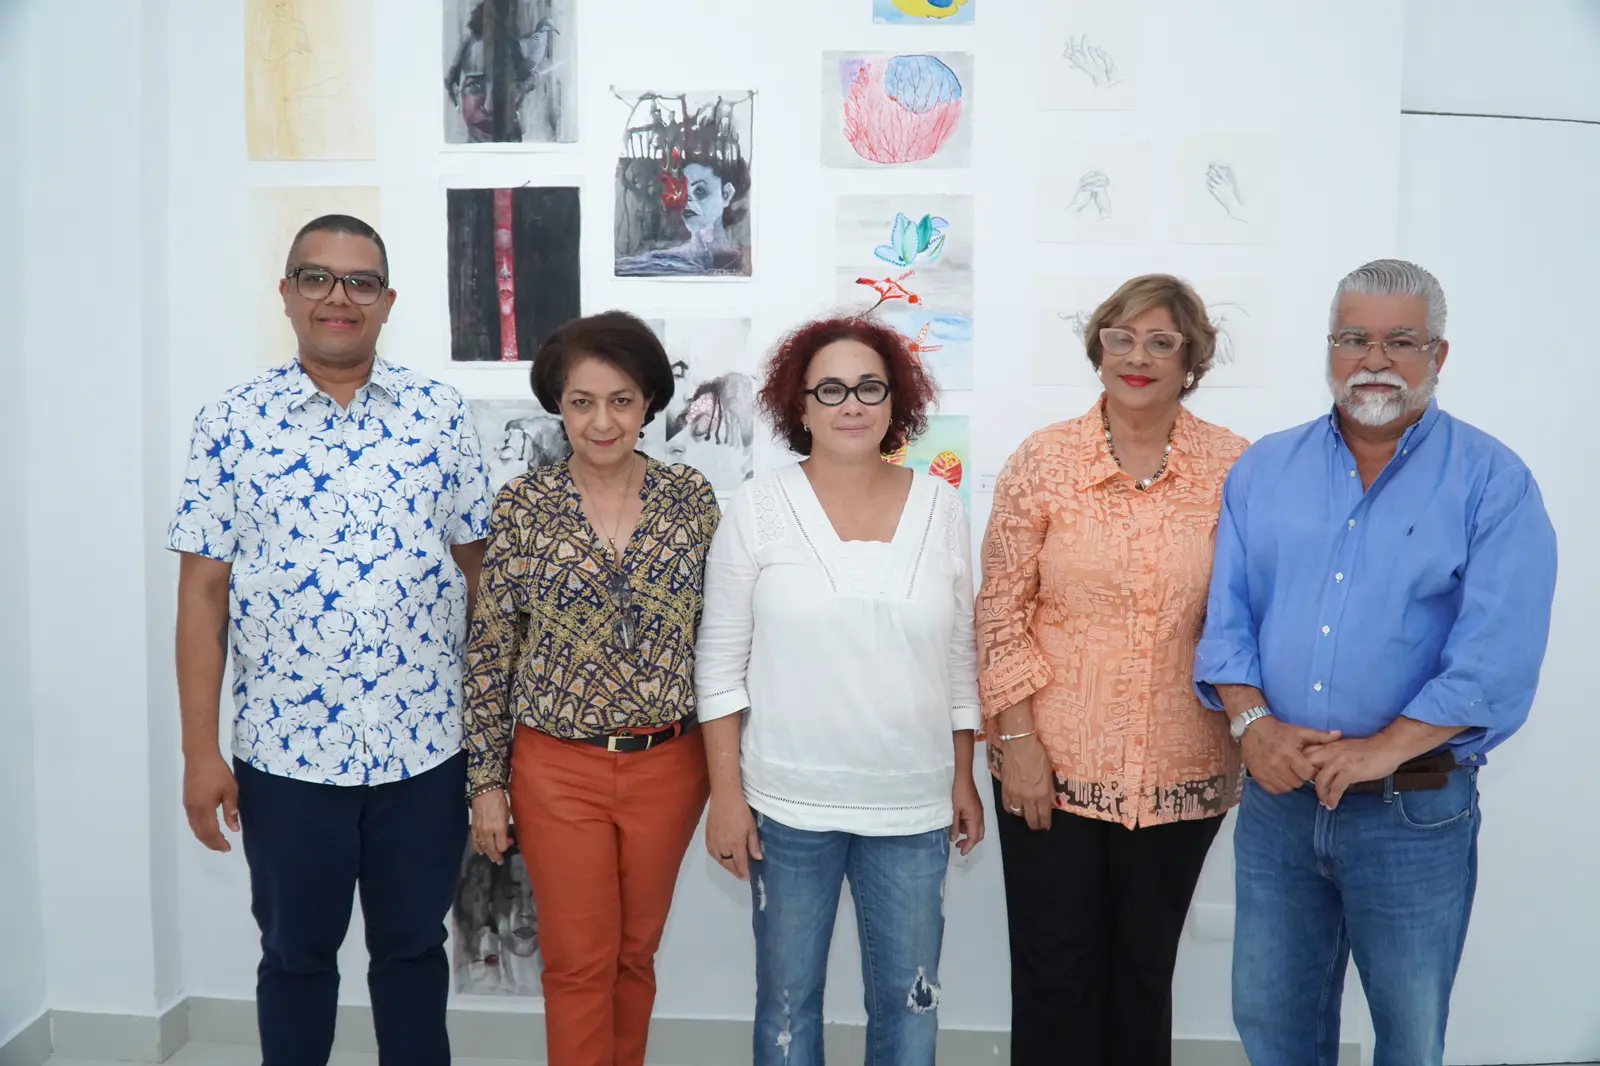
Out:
{"x": 1399, "y": 349}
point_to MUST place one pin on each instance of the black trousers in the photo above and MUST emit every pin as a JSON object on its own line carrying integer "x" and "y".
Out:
{"x": 308, "y": 847}
{"x": 1095, "y": 911}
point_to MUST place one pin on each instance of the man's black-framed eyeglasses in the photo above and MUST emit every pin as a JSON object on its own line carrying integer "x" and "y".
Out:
{"x": 871, "y": 392}
{"x": 315, "y": 283}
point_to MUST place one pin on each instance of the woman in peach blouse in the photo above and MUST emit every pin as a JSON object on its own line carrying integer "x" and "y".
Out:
{"x": 1112, "y": 779}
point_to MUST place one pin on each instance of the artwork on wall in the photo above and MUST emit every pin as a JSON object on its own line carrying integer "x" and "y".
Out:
{"x": 510, "y": 71}
{"x": 1225, "y": 190}
{"x": 1090, "y": 54}
{"x": 945, "y": 451}
{"x": 908, "y": 260}
{"x": 1237, "y": 308}
{"x": 924, "y": 12}
{"x": 276, "y": 215}
{"x": 494, "y": 928}
{"x": 309, "y": 77}
{"x": 881, "y": 109}
{"x": 512, "y": 271}
{"x": 683, "y": 185}
{"x": 517, "y": 436}
{"x": 1095, "y": 193}
{"x": 710, "y": 424}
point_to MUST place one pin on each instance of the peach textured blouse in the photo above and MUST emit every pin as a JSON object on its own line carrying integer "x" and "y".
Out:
{"x": 1093, "y": 598}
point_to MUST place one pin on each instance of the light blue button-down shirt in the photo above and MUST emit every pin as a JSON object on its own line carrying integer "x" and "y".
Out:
{"x": 347, "y": 614}
{"x": 1426, "y": 596}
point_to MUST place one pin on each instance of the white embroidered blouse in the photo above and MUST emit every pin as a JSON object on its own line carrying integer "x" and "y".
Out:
{"x": 855, "y": 659}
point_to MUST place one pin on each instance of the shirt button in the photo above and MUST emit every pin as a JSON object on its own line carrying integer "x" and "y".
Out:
{"x": 1405, "y": 451}
{"x": 1338, "y": 577}
{"x": 1324, "y": 630}
{"x": 1317, "y": 687}
{"x": 1352, "y": 523}
{"x": 1352, "y": 473}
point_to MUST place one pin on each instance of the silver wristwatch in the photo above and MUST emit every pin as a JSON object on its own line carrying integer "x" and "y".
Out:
{"x": 1241, "y": 723}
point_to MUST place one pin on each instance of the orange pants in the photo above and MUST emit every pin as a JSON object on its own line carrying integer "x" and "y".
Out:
{"x": 603, "y": 836}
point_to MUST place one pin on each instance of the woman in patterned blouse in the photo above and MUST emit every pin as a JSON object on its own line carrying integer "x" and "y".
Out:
{"x": 580, "y": 682}
{"x": 1112, "y": 778}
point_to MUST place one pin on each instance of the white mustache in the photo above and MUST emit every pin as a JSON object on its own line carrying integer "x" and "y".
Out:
{"x": 1380, "y": 377}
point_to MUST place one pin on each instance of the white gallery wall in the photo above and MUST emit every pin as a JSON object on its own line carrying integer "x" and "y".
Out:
{"x": 136, "y": 914}
{"x": 22, "y": 929}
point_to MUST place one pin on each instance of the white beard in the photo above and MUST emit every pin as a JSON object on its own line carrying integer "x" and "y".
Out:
{"x": 1383, "y": 408}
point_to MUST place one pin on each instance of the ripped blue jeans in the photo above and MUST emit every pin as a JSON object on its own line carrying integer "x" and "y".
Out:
{"x": 897, "y": 884}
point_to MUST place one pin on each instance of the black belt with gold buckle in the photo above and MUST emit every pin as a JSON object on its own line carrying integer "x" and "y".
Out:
{"x": 624, "y": 741}
{"x": 1427, "y": 774}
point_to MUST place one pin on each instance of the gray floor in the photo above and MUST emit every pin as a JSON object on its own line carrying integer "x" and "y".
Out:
{"x": 233, "y": 1055}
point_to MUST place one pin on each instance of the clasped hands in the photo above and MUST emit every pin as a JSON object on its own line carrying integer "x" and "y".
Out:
{"x": 1282, "y": 757}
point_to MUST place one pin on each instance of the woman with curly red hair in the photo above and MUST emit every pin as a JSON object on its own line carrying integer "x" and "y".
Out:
{"x": 836, "y": 677}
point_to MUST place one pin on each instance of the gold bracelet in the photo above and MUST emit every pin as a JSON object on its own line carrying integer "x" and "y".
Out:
{"x": 484, "y": 790}
{"x": 1008, "y": 737}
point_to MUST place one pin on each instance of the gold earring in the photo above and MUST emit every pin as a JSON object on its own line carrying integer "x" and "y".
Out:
{"x": 1188, "y": 381}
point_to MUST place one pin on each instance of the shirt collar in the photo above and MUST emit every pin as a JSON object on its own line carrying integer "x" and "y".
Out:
{"x": 1095, "y": 465}
{"x": 301, "y": 390}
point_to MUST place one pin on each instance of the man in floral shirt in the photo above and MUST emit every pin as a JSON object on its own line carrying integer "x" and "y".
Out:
{"x": 331, "y": 526}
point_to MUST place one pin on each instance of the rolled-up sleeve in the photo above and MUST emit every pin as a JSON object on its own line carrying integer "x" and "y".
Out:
{"x": 1010, "y": 665}
{"x": 965, "y": 709}
{"x": 204, "y": 523}
{"x": 493, "y": 648}
{"x": 1492, "y": 657}
{"x": 727, "y": 622}
{"x": 1228, "y": 653}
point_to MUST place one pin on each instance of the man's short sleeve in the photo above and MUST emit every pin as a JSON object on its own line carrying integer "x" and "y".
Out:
{"x": 204, "y": 522}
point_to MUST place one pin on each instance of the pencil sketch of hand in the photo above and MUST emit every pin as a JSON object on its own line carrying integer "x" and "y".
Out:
{"x": 1223, "y": 315}
{"x": 1078, "y": 320}
{"x": 1223, "y": 186}
{"x": 1092, "y": 60}
{"x": 1093, "y": 188}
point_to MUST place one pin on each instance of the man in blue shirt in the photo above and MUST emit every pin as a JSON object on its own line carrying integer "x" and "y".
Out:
{"x": 1378, "y": 615}
{"x": 332, "y": 526}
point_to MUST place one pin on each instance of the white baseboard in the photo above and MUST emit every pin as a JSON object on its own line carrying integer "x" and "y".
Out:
{"x": 31, "y": 1044}
{"x": 485, "y": 1034}
{"x": 124, "y": 1037}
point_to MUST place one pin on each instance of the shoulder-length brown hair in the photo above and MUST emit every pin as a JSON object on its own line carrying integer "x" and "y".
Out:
{"x": 1138, "y": 295}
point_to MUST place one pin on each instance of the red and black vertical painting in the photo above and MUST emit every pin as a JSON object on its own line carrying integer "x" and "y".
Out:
{"x": 513, "y": 261}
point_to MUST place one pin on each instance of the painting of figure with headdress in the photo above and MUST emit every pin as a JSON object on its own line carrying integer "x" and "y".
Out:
{"x": 683, "y": 186}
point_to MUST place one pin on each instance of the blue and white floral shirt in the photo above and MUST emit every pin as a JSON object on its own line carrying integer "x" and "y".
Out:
{"x": 347, "y": 612}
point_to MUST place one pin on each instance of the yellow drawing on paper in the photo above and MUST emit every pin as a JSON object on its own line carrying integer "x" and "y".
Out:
{"x": 930, "y": 9}
{"x": 276, "y": 216}
{"x": 309, "y": 79}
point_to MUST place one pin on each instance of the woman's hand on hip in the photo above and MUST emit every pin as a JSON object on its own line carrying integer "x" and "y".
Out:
{"x": 966, "y": 828}
{"x": 1027, "y": 782}
{"x": 731, "y": 835}
{"x": 491, "y": 825}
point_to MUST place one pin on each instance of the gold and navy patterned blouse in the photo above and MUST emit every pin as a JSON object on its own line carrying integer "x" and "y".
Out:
{"x": 545, "y": 648}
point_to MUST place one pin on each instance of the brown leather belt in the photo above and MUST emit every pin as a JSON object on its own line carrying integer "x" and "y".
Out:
{"x": 630, "y": 740}
{"x": 1425, "y": 774}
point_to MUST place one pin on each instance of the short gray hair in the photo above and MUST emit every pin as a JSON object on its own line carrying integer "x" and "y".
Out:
{"x": 1393, "y": 277}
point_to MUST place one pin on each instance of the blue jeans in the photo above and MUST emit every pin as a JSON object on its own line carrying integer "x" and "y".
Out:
{"x": 1387, "y": 877}
{"x": 897, "y": 884}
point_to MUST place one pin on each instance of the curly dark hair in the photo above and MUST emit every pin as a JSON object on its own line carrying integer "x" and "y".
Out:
{"x": 783, "y": 392}
{"x": 613, "y": 337}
